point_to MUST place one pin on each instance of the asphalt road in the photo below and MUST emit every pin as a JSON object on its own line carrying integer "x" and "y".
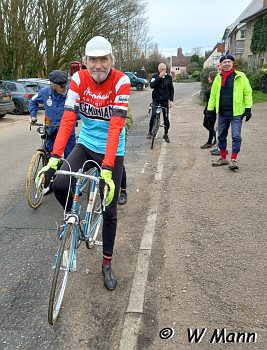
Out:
{"x": 28, "y": 245}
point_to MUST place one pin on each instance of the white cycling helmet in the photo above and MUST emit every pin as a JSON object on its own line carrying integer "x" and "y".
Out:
{"x": 98, "y": 46}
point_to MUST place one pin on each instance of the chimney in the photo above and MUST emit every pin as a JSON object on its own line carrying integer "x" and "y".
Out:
{"x": 179, "y": 51}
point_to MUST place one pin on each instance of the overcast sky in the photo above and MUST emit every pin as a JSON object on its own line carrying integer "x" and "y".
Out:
{"x": 191, "y": 23}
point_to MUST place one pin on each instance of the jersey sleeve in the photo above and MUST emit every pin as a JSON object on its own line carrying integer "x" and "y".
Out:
{"x": 117, "y": 121}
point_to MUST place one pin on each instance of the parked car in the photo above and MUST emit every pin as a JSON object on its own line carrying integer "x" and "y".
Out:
{"x": 6, "y": 103}
{"x": 139, "y": 83}
{"x": 21, "y": 94}
{"x": 38, "y": 82}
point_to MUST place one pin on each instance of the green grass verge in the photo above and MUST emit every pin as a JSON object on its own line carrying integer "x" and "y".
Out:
{"x": 259, "y": 96}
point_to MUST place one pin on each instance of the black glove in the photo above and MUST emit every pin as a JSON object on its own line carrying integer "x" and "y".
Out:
{"x": 210, "y": 114}
{"x": 247, "y": 114}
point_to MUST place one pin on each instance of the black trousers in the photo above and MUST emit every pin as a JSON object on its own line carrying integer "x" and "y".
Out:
{"x": 165, "y": 112}
{"x": 61, "y": 185}
{"x": 123, "y": 179}
{"x": 209, "y": 123}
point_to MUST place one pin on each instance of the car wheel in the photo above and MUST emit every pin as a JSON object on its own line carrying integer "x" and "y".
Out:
{"x": 18, "y": 107}
{"x": 2, "y": 115}
{"x": 139, "y": 87}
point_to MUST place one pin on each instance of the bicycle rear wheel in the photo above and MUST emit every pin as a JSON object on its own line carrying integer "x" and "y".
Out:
{"x": 154, "y": 130}
{"x": 38, "y": 161}
{"x": 62, "y": 269}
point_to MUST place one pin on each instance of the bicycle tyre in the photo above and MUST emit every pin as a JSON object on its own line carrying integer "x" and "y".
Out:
{"x": 61, "y": 273}
{"x": 154, "y": 131}
{"x": 96, "y": 220}
{"x": 38, "y": 161}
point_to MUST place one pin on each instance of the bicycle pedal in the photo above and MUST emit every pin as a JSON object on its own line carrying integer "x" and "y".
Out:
{"x": 161, "y": 124}
{"x": 98, "y": 243}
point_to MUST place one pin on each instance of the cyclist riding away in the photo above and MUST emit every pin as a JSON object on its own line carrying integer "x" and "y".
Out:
{"x": 100, "y": 94}
{"x": 163, "y": 93}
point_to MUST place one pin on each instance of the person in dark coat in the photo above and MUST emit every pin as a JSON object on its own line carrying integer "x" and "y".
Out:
{"x": 163, "y": 92}
{"x": 209, "y": 122}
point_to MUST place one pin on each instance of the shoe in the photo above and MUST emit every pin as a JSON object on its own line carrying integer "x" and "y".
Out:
{"x": 207, "y": 145}
{"x": 122, "y": 198}
{"x": 149, "y": 135}
{"x": 220, "y": 162}
{"x": 110, "y": 280}
{"x": 215, "y": 152}
{"x": 166, "y": 138}
{"x": 233, "y": 164}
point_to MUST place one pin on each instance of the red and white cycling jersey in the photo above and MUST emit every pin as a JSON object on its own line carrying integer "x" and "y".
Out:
{"x": 102, "y": 108}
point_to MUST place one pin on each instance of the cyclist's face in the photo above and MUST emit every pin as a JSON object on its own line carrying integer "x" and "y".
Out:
{"x": 60, "y": 89}
{"x": 162, "y": 69}
{"x": 227, "y": 65}
{"x": 99, "y": 67}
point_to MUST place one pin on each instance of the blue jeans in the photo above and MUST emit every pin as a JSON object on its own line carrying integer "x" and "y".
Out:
{"x": 223, "y": 126}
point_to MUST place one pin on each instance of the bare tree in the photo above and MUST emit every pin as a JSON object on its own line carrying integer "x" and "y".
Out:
{"x": 37, "y": 36}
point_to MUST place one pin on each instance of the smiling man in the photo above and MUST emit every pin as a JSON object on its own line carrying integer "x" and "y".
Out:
{"x": 100, "y": 94}
{"x": 231, "y": 97}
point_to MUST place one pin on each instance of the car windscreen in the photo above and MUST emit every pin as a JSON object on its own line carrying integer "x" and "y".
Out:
{"x": 30, "y": 89}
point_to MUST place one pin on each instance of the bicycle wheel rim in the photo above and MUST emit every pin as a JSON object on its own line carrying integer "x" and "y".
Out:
{"x": 34, "y": 197}
{"x": 61, "y": 274}
{"x": 96, "y": 220}
{"x": 154, "y": 132}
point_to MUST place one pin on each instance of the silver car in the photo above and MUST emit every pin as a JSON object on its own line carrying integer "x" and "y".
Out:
{"x": 21, "y": 94}
{"x": 6, "y": 103}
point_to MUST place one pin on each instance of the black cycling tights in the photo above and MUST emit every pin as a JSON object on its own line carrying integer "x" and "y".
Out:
{"x": 61, "y": 185}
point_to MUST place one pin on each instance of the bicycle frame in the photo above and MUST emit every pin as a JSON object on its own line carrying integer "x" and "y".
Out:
{"x": 74, "y": 216}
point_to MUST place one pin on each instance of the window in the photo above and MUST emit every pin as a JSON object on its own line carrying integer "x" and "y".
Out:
{"x": 242, "y": 34}
{"x": 11, "y": 86}
{"x": 216, "y": 58}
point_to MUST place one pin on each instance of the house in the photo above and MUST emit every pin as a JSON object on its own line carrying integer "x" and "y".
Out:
{"x": 238, "y": 35}
{"x": 178, "y": 63}
{"x": 260, "y": 58}
{"x": 213, "y": 59}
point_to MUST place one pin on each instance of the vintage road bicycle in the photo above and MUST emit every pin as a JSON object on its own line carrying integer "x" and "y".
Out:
{"x": 77, "y": 227}
{"x": 38, "y": 161}
{"x": 156, "y": 123}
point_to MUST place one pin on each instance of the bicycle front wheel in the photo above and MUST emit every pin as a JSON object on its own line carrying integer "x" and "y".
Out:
{"x": 62, "y": 269}
{"x": 154, "y": 131}
{"x": 38, "y": 161}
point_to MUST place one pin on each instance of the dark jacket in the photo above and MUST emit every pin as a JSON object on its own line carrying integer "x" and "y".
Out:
{"x": 207, "y": 97}
{"x": 163, "y": 87}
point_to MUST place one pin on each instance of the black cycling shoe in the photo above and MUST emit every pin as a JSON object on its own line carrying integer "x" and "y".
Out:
{"x": 166, "y": 138}
{"x": 122, "y": 198}
{"x": 110, "y": 280}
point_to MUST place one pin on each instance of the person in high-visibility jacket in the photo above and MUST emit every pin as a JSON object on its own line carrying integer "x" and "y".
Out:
{"x": 231, "y": 97}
